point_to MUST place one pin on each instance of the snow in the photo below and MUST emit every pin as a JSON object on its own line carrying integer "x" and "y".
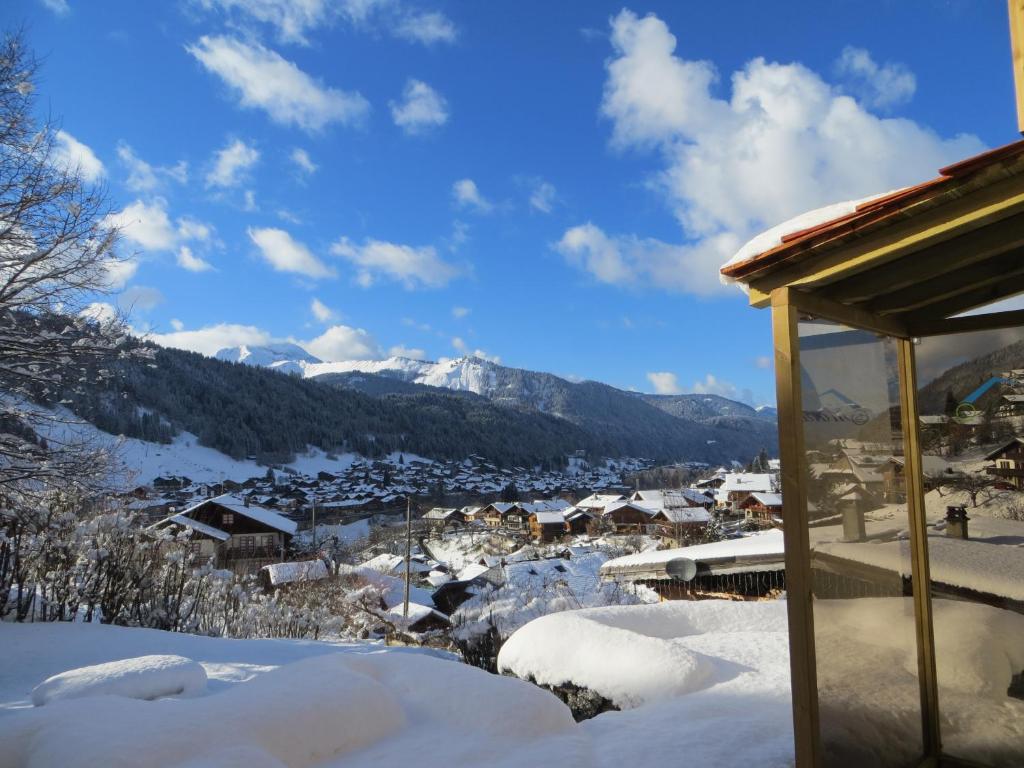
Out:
{"x": 762, "y": 544}
{"x": 143, "y": 677}
{"x": 288, "y": 573}
{"x": 275, "y": 703}
{"x": 254, "y": 512}
{"x": 772, "y": 237}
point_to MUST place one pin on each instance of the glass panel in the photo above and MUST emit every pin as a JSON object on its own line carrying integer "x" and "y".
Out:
{"x": 972, "y": 421}
{"x": 865, "y": 636}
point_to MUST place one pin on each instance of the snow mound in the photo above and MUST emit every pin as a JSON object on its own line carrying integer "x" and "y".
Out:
{"x": 635, "y": 655}
{"x": 368, "y": 709}
{"x": 144, "y": 677}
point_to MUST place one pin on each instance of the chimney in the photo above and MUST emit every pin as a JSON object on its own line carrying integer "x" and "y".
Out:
{"x": 956, "y": 522}
{"x": 851, "y": 507}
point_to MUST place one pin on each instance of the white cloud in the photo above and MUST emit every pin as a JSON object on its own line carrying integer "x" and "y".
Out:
{"x": 463, "y": 349}
{"x": 412, "y": 266}
{"x": 784, "y": 142}
{"x": 878, "y": 86}
{"x": 543, "y": 196}
{"x": 177, "y": 325}
{"x": 413, "y": 353}
{"x": 212, "y": 338}
{"x": 119, "y": 272}
{"x": 295, "y": 19}
{"x": 143, "y": 177}
{"x": 265, "y": 80}
{"x": 421, "y": 108}
{"x": 467, "y": 195}
{"x": 712, "y": 385}
{"x": 141, "y": 297}
{"x": 100, "y": 312}
{"x": 147, "y": 225}
{"x": 427, "y": 27}
{"x": 303, "y": 161}
{"x": 191, "y": 262}
{"x": 321, "y": 311}
{"x": 249, "y": 201}
{"x": 285, "y": 254}
{"x": 664, "y": 383}
{"x": 292, "y": 19}
{"x": 763, "y": 361}
{"x": 342, "y": 342}
{"x": 59, "y": 7}
{"x": 460, "y": 312}
{"x": 70, "y": 154}
{"x": 459, "y": 344}
{"x": 627, "y": 260}
{"x": 231, "y": 164}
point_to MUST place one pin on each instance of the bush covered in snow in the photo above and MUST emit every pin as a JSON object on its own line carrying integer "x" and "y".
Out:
{"x": 144, "y": 677}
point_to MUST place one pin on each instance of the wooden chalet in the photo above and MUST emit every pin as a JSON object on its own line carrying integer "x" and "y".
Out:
{"x": 546, "y": 525}
{"x": 763, "y": 508}
{"x": 238, "y": 535}
{"x": 630, "y": 517}
{"x": 1009, "y": 463}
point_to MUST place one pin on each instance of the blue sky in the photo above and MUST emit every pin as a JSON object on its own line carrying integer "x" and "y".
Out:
{"x": 551, "y": 184}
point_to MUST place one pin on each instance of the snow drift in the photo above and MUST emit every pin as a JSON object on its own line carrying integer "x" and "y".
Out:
{"x": 144, "y": 677}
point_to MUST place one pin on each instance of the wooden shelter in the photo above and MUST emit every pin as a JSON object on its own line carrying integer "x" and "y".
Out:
{"x": 855, "y": 301}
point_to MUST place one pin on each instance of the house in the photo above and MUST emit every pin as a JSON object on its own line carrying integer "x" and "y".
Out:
{"x": 677, "y": 524}
{"x": 596, "y": 502}
{"x": 422, "y": 618}
{"x": 1009, "y": 463}
{"x": 739, "y": 485}
{"x": 547, "y": 526}
{"x": 894, "y": 483}
{"x": 443, "y": 517}
{"x": 1010, "y": 406}
{"x": 629, "y": 516}
{"x": 238, "y": 535}
{"x": 578, "y": 520}
{"x": 762, "y": 507}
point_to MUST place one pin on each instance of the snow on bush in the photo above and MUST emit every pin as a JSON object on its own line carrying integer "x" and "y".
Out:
{"x": 144, "y": 677}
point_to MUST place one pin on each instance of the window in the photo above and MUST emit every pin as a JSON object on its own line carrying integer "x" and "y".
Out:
{"x": 228, "y": 518}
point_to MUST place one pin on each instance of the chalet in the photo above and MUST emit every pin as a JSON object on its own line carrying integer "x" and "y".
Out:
{"x": 421, "y": 619}
{"x": 1009, "y": 463}
{"x": 547, "y": 526}
{"x": 762, "y": 507}
{"x": 739, "y": 485}
{"x": 1010, "y": 406}
{"x": 677, "y": 524}
{"x": 444, "y": 517}
{"x": 170, "y": 483}
{"x": 629, "y": 516}
{"x": 597, "y": 502}
{"x": 238, "y": 535}
{"x": 501, "y": 514}
{"x": 578, "y": 520}
{"x": 894, "y": 483}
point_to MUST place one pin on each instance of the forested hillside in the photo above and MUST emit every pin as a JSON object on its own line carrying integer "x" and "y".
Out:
{"x": 242, "y": 410}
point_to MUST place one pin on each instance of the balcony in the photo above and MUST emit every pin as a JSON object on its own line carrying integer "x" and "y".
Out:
{"x": 1005, "y": 471}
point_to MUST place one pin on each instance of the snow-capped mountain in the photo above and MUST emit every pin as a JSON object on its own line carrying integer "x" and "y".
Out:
{"x": 283, "y": 357}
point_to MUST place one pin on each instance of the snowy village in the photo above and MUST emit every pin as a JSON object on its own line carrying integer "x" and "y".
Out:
{"x": 317, "y": 452}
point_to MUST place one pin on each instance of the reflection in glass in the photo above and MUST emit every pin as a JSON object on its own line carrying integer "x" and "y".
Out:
{"x": 865, "y": 635}
{"x": 972, "y": 421}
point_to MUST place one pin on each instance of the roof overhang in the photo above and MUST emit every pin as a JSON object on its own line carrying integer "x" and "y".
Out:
{"x": 911, "y": 258}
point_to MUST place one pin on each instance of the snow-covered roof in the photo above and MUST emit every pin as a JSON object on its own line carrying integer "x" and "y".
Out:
{"x": 755, "y": 548}
{"x": 686, "y": 514}
{"x": 772, "y": 237}
{"x": 600, "y": 499}
{"x": 768, "y": 499}
{"x": 288, "y": 573}
{"x": 417, "y": 612}
{"x": 616, "y": 505}
{"x": 195, "y": 525}
{"x": 746, "y": 481}
{"x": 549, "y": 518}
{"x": 259, "y": 514}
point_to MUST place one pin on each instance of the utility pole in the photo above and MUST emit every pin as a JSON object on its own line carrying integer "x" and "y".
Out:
{"x": 314, "y": 522}
{"x": 408, "y": 554}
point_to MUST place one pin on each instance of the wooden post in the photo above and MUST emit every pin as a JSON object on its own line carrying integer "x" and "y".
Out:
{"x": 920, "y": 572}
{"x": 1017, "y": 47}
{"x": 799, "y": 608}
{"x": 408, "y": 554}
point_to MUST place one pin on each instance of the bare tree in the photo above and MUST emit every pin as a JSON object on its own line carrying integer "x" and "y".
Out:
{"x": 971, "y": 483}
{"x": 56, "y": 256}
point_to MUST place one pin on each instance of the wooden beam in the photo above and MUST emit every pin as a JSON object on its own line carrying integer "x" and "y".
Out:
{"x": 914, "y": 232}
{"x": 955, "y": 282}
{"x": 799, "y": 605}
{"x": 977, "y": 297}
{"x": 990, "y": 321}
{"x": 1017, "y": 49}
{"x": 970, "y": 248}
{"x": 920, "y": 571}
{"x": 855, "y": 317}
